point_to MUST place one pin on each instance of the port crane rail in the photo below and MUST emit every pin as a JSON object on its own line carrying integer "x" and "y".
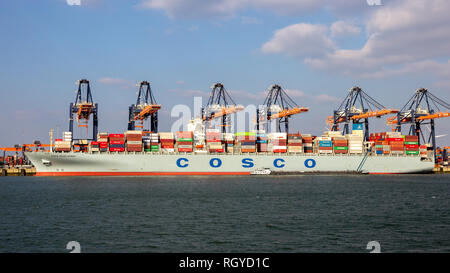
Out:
{"x": 278, "y": 106}
{"x": 145, "y": 108}
{"x": 357, "y": 106}
{"x": 420, "y": 111}
{"x": 83, "y": 108}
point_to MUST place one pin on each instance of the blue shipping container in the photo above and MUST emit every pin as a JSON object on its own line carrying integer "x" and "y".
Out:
{"x": 357, "y": 126}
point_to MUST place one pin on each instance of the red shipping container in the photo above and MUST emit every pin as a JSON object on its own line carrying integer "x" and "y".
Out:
{"x": 397, "y": 148}
{"x": 134, "y": 150}
{"x": 340, "y": 151}
{"x": 184, "y": 142}
{"x": 167, "y": 146}
{"x": 395, "y": 139}
{"x": 413, "y": 146}
{"x": 294, "y": 144}
{"x": 396, "y": 143}
{"x": 117, "y": 135}
{"x": 94, "y": 143}
{"x": 116, "y": 142}
{"x": 103, "y": 144}
{"x": 117, "y": 149}
{"x": 184, "y": 150}
{"x": 58, "y": 139}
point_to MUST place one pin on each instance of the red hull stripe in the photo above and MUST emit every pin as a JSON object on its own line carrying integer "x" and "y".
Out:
{"x": 135, "y": 173}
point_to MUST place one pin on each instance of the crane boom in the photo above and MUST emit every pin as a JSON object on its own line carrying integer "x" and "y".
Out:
{"x": 434, "y": 116}
{"x": 377, "y": 113}
{"x": 288, "y": 112}
{"x": 147, "y": 111}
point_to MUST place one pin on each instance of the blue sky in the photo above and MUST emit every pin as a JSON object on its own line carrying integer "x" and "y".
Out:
{"x": 317, "y": 50}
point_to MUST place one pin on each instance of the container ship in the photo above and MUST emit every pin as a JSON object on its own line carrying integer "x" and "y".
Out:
{"x": 135, "y": 153}
{"x": 203, "y": 150}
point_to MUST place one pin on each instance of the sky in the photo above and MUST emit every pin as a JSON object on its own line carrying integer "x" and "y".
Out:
{"x": 317, "y": 50}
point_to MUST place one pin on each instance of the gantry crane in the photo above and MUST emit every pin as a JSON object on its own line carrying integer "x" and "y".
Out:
{"x": 357, "y": 106}
{"x": 83, "y": 108}
{"x": 277, "y": 106}
{"x": 421, "y": 110}
{"x": 145, "y": 108}
{"x": 220, "y": 105}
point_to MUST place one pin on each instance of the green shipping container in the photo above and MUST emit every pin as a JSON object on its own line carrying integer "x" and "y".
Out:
{"x": 341, "y": 148}
{"x": 185, "y": 139}
{"x": 412, "y": 152}
{"x": 411, "y": 143}
{"x": 246, "y": 134}
{"x": 154, "y": 147}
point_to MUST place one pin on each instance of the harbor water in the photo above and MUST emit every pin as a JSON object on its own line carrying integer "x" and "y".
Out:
{"x": 295, "y": 214}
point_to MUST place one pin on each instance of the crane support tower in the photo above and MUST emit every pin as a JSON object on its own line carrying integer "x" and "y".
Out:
{"x": 220, "y": 105}
{"x": 420, "y": 112}
{"x": 277, "y": 105}
{"x": 357, "y": 108}
{"x": 145, "y": 108}
{"x": 83, "y": 108}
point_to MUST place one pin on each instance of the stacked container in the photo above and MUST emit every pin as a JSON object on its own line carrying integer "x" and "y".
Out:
{"x": 411, "y": 145}
{"x": 279, "y": 142}
{"x": 324, "y": 144}
{"x": 117, "y": 142}
{"x": 67, "y": 136}
{"x": 357, "y": 129}
{"x": 151, "y": 142}
{"x": 102, "y": 139}
{"x": 214, "y": 141}
{"x": 295, "y": 143}
{"x": 185, "y": 141}
{"x": 94, "y": 146}
{"x": 247, "y": 141}
{"x": 167, "y": 142}
{"x": 134, "y": 141}
{"x": 396, "y": 142}
{"x": 228, "y": 140}
{"x": 355, "y": 144}
{"x": 261, "y": 141}
{"x": 62, "y": 146}
{"x": 307, "y": 140}
{"x": 423, "y": 150}
{"x": 340, "y": 145}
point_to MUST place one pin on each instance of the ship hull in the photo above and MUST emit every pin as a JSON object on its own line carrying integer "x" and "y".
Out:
{"x": 142, "y": 164}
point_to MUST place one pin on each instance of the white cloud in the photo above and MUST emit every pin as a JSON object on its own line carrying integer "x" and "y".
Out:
{"x": 295, "y": 93}
{"x": 401, "y": 40}
{"x": 123, "y": 83}
{"x": 246, "y": 20}
{"x": 301, "y": 40}
{"x": 343, "y": 28}
{"x": 73, "y": 2}
{"x": 326, "y": 98}
{"x": 189, "y": 93}
{"x": 229, "y": 8}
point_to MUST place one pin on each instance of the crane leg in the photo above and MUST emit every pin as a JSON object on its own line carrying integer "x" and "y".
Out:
{"x": 71, "y": 118}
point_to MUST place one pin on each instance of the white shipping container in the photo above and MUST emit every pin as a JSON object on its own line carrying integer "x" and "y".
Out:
{"x": 279, "y": 147}
{"x": 185, "y": 146}
{"x": 323, "y": 138}
{"x": 134, "y": 142}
